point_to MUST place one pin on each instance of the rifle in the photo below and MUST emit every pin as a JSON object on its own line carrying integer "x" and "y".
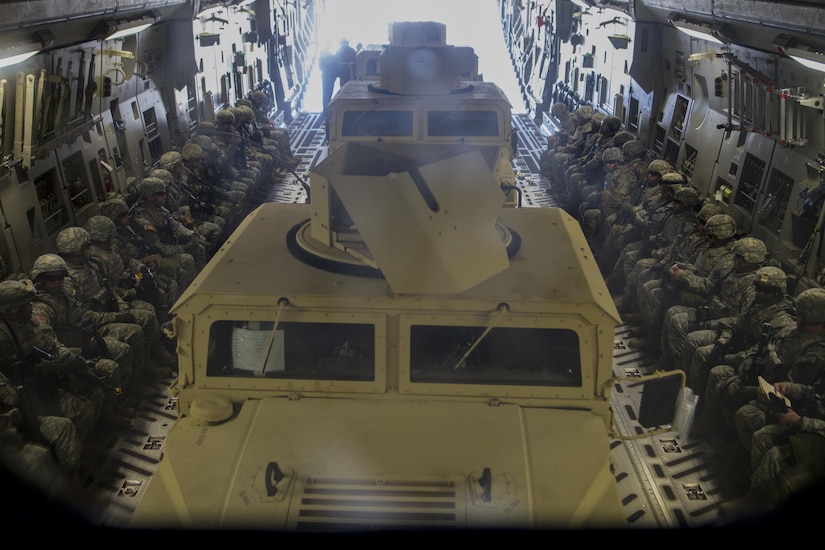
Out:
{"x": 145, "y": 248}
{"x": 717, "y": 354}
{"x": 91, "y": 86}
{"x": 78, "y": 98}
{"x": 112, "y": 302}
{"x": 38, "y": 355}
{"x": 749, "y": 372}
{"x": 195, "y": 202}
{"x": 149, "y": 288}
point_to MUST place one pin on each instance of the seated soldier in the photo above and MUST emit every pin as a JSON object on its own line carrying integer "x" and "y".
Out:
{"x": 137, "y": 254}
{"x": 99, "y": 337}
{"x": 156, "y": 226}
{"x": 34, "y": 410}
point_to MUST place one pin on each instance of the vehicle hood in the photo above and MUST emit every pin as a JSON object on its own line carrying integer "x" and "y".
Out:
{"x": 332, "y": 464}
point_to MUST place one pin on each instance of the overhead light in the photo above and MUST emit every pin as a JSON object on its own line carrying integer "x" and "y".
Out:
{"x": 809, "y": 56}
{"x": 16, "y": 54}
{"x": 25, "y": 47}
{"x": 586, "y": 4}
{"x": 113, "y": 30}
{"x": 712, "y": 32}
{"x": 812, "y": 60}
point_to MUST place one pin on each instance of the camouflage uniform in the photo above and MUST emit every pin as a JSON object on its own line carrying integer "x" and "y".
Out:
{"x": 734, "y": 335}
{"x": 647, "y": 224}
{"x": 694, "y": 284}
{"x": 229, "y": 143}
{"x": 624, "y": 230}
{"x": 109, "y": 258}
{"x": 634, "y": 153}
{"x": 797, "y": 356}
{"x": 138, "y": 255}
{"x": 157, "y": 228}
{"x": 110, "y": 313}
{"x": 599, "y": 212}
{"x": 733, "y": 292}
{"x": 181, "y": 211}
{"x": 260, "y": 103}
{"x": 108, "y": 263}
{"x": 63, "y": 317}
{"x": 778, "y": 466}
{"x": 209, "y": 187}
{"x": 266, "y": 152}
{"x": 589, "y": 169}
{"x": 197, "y": 203}
{"x": 41, "y": 454}
{"x": 671, "y": 245}
{"x": 215, "y": 174}
{"x": 45, "y": 410}
{"x": 567, "y": 126}
{"x": 87, "y": 282}
{"x": 575, "y": 145}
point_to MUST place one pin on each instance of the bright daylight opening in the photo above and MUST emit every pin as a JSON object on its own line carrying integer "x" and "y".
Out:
{"x": 473, "y": 23}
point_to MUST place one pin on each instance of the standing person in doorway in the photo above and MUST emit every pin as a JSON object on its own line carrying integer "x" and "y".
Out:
{"x": 346, "y": 62}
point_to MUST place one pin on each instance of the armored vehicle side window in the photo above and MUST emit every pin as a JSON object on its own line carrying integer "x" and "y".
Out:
{"x": 377, "y": 123}
{"x": 307, "y": 351}
{"x": 462, "y": 123}
{"x": 511, "y": 356}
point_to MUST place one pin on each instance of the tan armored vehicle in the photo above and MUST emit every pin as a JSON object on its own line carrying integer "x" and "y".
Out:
{"x": 404, "y": 352}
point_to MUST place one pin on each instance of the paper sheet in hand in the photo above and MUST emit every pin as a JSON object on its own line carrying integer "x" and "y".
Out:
{"x": 776, "y": 399}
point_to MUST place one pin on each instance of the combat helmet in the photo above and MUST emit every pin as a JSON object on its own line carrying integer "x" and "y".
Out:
{"x": 114, "y": 208}
{"x": 707, "y": 211}
{"x": 632, "y": 148}
{"x": 237, "y": 112}
{"x": 13, "y": 294}
{"x": 686, "y": 195}
{"x": 773, "y": 277}
{"x": 162, "y": 174}
{"x": 150, "y": 185}
{"x": 225, "y": 117}
{"x": 191, "y": 151}
{"x": 258, "y": 98}
{"x": 613, "y": 154}
{"x": 169, "y": 159}
{"x": 48, "y": 263}
{"x": 673, "y": 178}
{"x": 810, "y": 304}
{"x": 246, "y": 112}
{"x": 100, "y": 228}
{"x": 559, "y": 109}
{"x": 659, "y": 166}
{"x": 72, "y": 240}
{"x": 622, "y": 137}
{"x": 585, "y": 112}
{"x": 721, "y": 226}
{"x": 243, "y": 102}
{"x": 596, "y": 119}
{"x": 751, "y": 250}
{"x": 204, "y": 142}
{"x": 613, "y": 122}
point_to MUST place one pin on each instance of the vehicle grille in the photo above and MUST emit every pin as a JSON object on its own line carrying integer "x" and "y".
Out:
{"x": 378, "y": 504}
